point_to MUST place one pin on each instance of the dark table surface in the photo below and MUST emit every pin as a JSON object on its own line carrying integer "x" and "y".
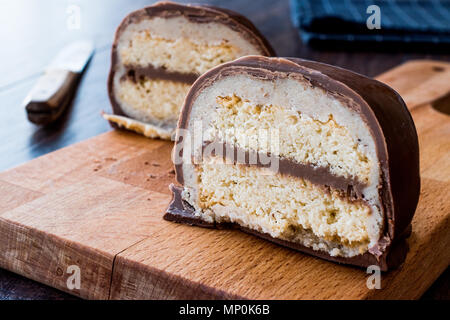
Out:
{"x": 32, "y": 32}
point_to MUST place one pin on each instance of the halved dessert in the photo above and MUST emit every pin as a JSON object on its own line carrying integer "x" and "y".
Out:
{"x": 307, "y": 155}
{"x": 159, "y": 51}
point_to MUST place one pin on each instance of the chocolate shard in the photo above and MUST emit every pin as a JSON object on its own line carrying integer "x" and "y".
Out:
{"x": 158, "y": 53}
{"x": 307, "y": 155}
{"x": 182, "y": 212}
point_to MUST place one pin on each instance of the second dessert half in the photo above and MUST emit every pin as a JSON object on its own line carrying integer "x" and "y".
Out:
{"x": 159, "y": 51}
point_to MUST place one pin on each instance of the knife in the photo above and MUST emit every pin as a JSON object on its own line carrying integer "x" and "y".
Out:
{"x": 53, "y": 91}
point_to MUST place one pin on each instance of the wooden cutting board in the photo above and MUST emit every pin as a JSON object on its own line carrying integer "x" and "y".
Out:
{"x": 98, "y": 205}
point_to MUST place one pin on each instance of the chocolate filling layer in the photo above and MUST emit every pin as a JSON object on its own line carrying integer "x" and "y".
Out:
{"x": 137, "y": 73}
{"x": 321, "y": 176}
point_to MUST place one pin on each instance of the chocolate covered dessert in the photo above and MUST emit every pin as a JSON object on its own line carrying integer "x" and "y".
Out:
{"x": 304, "y": 154}
{"x": 159, "y": 51}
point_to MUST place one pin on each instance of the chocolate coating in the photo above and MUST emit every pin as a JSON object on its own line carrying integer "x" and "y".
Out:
{"x": 390, "y": 125}
{"x": 196, "y": 14}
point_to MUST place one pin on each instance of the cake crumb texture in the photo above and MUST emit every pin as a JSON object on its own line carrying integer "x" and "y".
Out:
{"x": 299, "y": 137}
{"x": 179, "y": 55}
{"x": 279, "y": 205}
{"x": 152, "y": 100}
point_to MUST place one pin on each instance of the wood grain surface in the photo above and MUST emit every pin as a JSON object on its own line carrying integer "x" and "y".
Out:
{"x": 35, "y": 31}
{"x": 99, "y": 205}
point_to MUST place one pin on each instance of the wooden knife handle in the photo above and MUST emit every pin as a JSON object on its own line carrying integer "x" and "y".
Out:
{"x": 50, "y": 96}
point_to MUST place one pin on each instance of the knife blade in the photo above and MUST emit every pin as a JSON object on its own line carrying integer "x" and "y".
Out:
{"x": 53, "y": 91}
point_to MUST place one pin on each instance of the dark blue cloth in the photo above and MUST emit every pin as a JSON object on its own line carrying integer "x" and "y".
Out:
{"x": 413, "y": 21}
